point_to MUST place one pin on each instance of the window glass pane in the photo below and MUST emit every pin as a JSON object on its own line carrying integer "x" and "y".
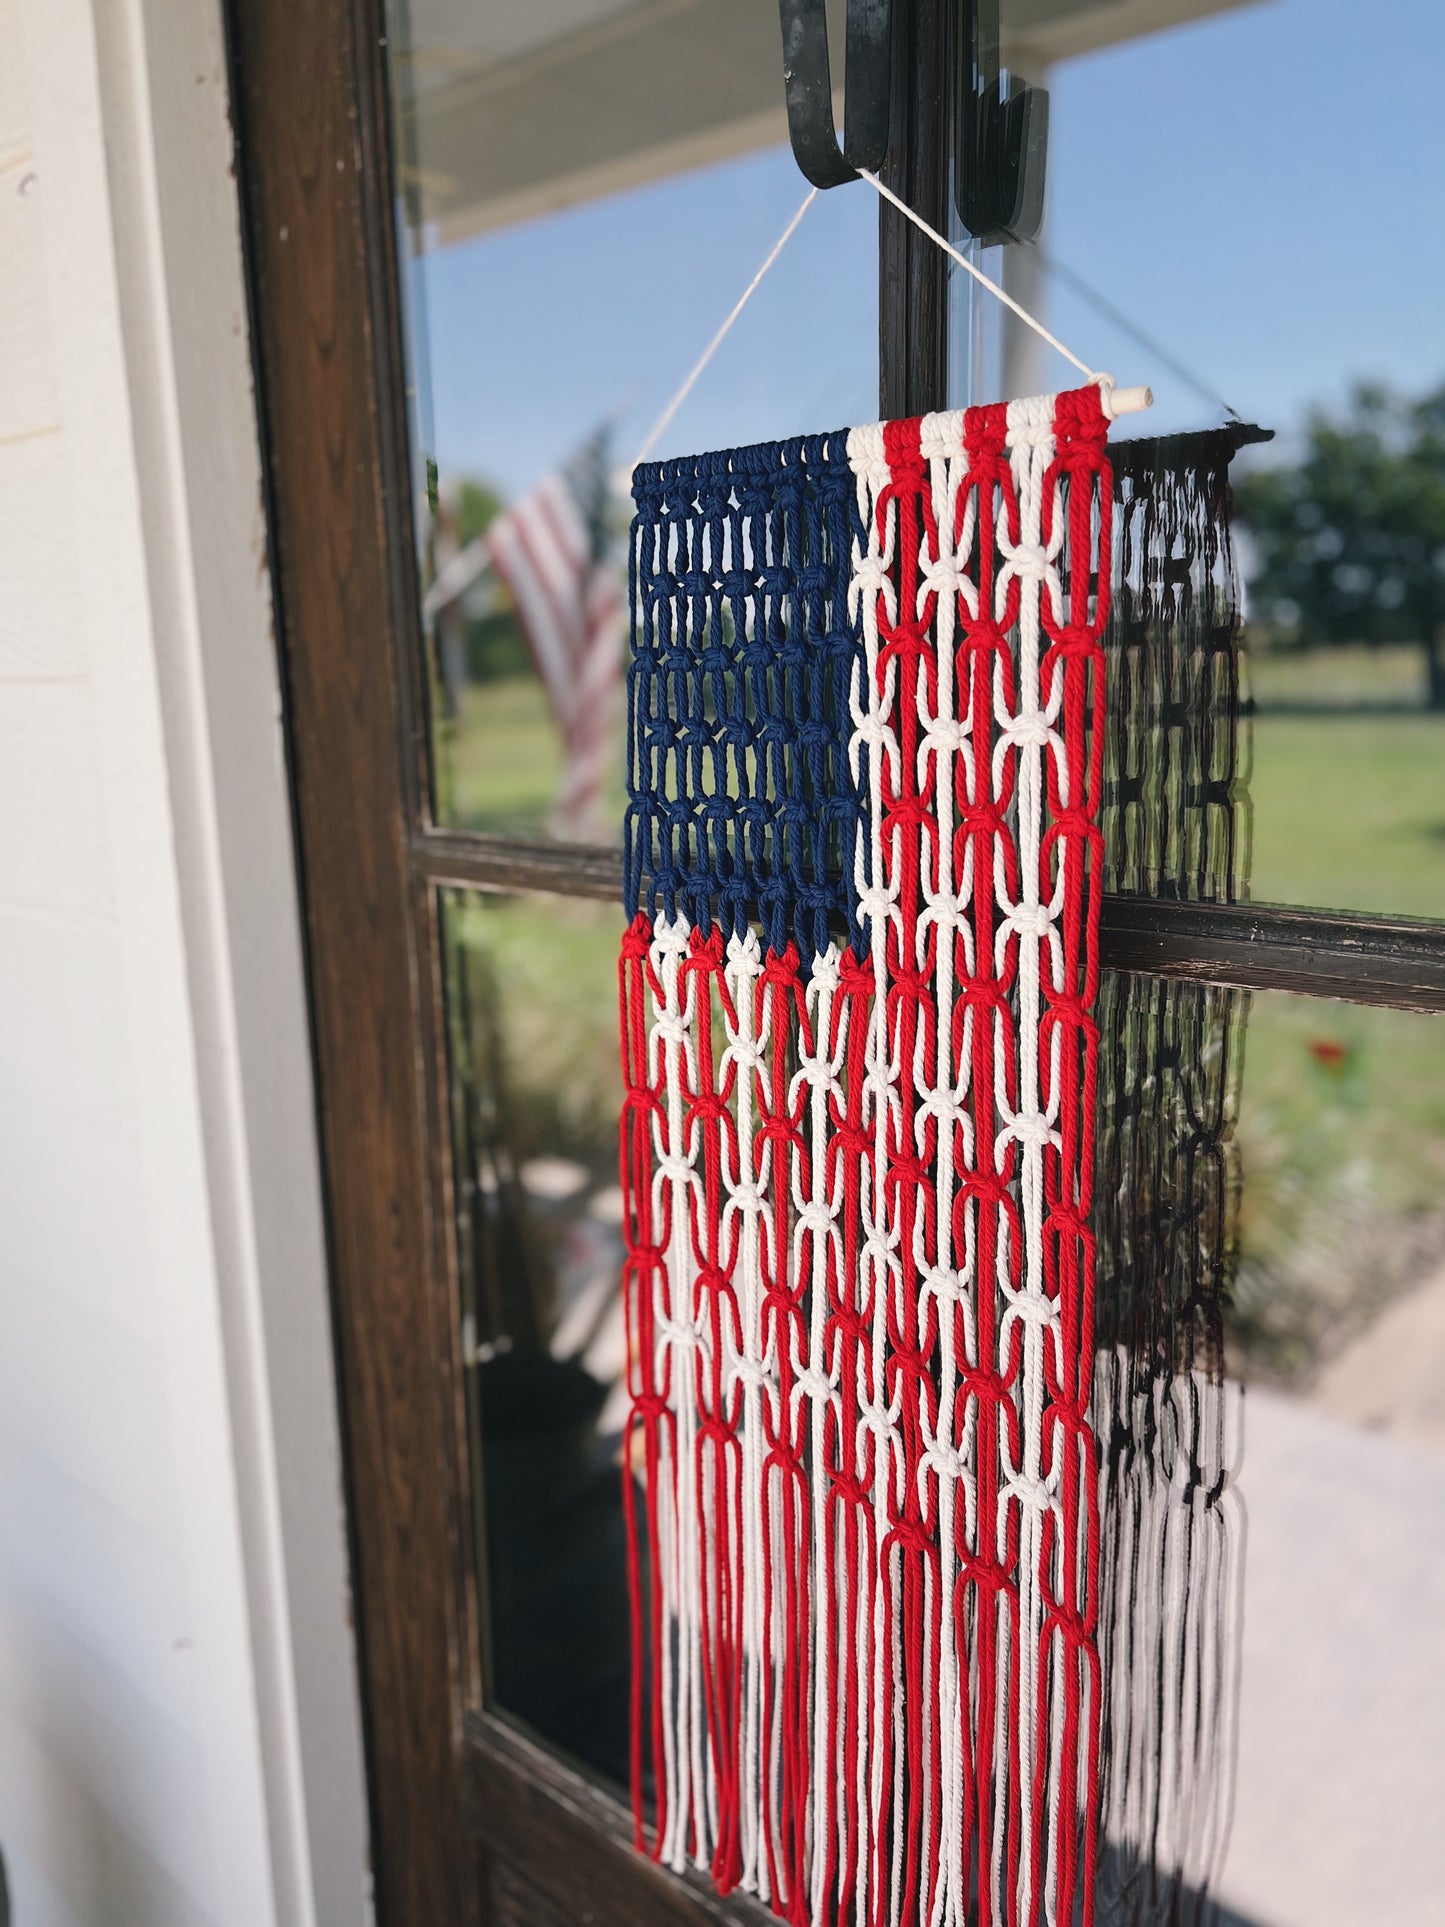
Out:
{"x": 1211, "y": 230}
{"x": 535, "y": 1093}
{"x": 1270, "y": 1321}
{"x": 588, "y": 186}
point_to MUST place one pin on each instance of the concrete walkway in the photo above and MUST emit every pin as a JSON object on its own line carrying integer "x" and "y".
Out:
{"x": 1340, "y": 1815}
{"x": 1392, "y": 1378}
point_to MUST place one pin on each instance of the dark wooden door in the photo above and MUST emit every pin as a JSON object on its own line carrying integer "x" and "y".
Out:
{"x": 472, "y": 1818}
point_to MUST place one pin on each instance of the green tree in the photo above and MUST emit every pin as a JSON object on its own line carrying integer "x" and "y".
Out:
{"x": 477, "y": 505}
{"x": 1350, "y": 539}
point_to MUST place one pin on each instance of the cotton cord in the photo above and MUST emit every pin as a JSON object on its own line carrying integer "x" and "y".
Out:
{"x": 659, "y": 427}
{"x": 983, "y": 280}
{"x": 1117, "y": 401}
{"x": 859, "y": 1281}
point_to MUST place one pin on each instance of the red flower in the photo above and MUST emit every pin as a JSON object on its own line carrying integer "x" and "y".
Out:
{"x": 1329, "y": 1052}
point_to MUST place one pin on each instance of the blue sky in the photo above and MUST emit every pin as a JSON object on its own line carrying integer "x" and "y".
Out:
{"x": 1263, "y": 191}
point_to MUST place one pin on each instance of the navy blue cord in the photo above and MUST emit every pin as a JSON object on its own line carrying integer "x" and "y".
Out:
{"x": 741, "y": 805}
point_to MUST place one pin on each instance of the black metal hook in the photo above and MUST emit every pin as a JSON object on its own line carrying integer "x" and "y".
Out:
{"x": 808, "y": 82}
{"x": 1003, "y": 138}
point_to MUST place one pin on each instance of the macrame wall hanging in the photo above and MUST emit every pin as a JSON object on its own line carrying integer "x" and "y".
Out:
{"x": 886, "y": 1463}
{"x": 863, "y": 867}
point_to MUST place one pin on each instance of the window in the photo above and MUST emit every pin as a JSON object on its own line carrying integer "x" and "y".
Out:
{"x": 582, "y": 191}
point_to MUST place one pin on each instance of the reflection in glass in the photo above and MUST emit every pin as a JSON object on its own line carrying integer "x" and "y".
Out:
{"x": 1168, "y": 1420}
{"x": 587, "y": 187}
{"x": 1169, "y": 1430}
{"x": 1343, "y": 1141}
{"x": 1196, "y": 182}
{"x": 535, "y": 1091}
{"x": 1175, "y": 816}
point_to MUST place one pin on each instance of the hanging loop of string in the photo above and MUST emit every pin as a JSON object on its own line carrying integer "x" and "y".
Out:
{"x": 660, "y": 426}
{"x": 1116, "y": 401}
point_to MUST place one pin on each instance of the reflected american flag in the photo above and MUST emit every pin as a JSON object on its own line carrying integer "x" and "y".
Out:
{"x": 551, "y": 550}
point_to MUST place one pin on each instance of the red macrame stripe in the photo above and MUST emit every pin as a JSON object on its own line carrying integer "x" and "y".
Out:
{"x": 644, "y": 1291}
{"x": 987, "y": 1563}
{"x": 1073, "y": 847}
{"x": 908, "y": 1809}
{"x": 718, "y": 1468}
{"x": 851, "y": 1571}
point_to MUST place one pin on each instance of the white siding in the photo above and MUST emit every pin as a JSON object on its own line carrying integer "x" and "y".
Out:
{"x": 178, "y": 1727}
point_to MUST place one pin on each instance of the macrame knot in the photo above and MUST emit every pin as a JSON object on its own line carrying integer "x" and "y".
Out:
{"x": 1080, "y": 418}
{"x": 985, "y": 431}
{"x": 849, "y": 1488}
{"x": 867, "y": 458}
{"x": 682, "y": 1335}
{"x": 813, "y": 1391}
{"x": 910, "y": 1536}
{"x": 984, "y": 1187}
{"x": 1031, "y": 920}
{"x": 1069, "y": 1622}
{"x": 676, "y": 1169}
{"x": 944, "y": 1463}
{"x": 1027, "y": 562}
{"x": 1030, "y": 1495}
{"x": 1029, "y": 729}
{"x": 988, "y": 1387}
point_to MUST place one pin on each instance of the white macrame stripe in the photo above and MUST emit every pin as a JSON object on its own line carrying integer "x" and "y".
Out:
{"x": 1029, "y": 731}
{"x": 748, "y": 1218}
{"x": 680, "y": 1334}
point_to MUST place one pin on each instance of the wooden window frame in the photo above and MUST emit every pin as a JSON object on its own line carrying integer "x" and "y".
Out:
{"x": 470, "y": 1819}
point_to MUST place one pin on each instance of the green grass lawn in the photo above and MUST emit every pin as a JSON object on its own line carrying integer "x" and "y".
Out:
{"x": 554, "y": 966}
{"x": 1346, "y": 787}
{"x": 1342, "y": 1150}
{"x": 1348, "y": 812}
{"x": 500, "y": 761}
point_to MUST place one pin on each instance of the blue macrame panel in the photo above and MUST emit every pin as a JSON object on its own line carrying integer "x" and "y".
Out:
{"x": 742, "y": 807}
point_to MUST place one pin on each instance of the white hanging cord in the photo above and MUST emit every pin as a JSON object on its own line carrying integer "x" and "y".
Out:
{"x": 659, "y": 427}
{"x": 1117, "y": 401}
{"x": 977, "y": 273}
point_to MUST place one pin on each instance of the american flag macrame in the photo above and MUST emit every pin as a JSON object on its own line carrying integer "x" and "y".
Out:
{"x": 863, "y": 870}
